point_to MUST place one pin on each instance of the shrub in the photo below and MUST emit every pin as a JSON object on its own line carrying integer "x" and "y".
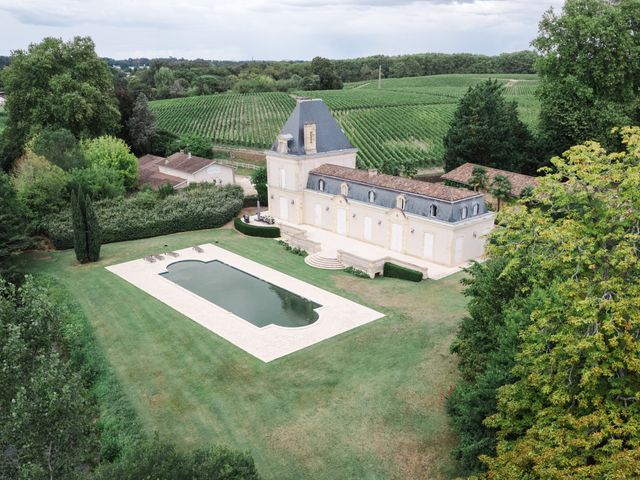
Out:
{"x": 145, "y": 215}
{"x": 356, "y": 272}
{"x": 254, "y": 231}
{"x": 294, "y": 250}
{"x": 396, "y": 271}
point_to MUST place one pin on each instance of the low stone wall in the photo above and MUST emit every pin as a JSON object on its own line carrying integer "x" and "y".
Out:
{"x": 297, "y": 238}
{"x": 375, "y": 267}
{"x": 370, "y": 268}
{"x": 304, "y": 243}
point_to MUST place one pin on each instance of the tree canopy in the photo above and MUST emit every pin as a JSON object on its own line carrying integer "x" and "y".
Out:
{"x": 552, "y": 354}
{"x": 59, "y": 84}
{"x": 112, "y": 152}
{"x": 589, "y": 68}
{"x": 486, "y": 130}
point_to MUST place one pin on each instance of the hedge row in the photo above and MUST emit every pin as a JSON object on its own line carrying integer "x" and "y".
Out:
{"x": 145, "y": 215}
{"x": 255, "y": 231}
{"x": 396, "y": 271}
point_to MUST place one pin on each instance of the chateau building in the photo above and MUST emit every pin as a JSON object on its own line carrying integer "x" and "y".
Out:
{"x": 313, "y": 180}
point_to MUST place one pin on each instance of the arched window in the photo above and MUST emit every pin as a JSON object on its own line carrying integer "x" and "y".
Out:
{"x": 464, "y": 213}
{"x": 401, "y": 202}
{"x": 321, "y": 185}
{"x": 344, "y": 189}
{"x": 372, "y": 196}
{"x": 433, "y": 210}
{"x": 476, "y": 208}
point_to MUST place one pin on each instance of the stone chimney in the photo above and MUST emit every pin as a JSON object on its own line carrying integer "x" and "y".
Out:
{"x": 310, "y": 138}
{"x": 283, "y": 143}
{"x": 372, "y": 172}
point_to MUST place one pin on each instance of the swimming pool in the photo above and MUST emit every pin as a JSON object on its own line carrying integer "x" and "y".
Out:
{"x": 250, "y": 298}
{"x": 320, "y": 314}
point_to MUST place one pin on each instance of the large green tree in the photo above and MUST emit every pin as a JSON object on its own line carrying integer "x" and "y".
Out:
{"x": 13, "y": 236}
{"x": 589, "y": 69}
{"x": 86, "y": 230}
{"x": 113, "y": 153}
{"x": 325, "y": 69}
{"x": 58, "y": 84}
{"x": 486, "y": 130}
{"x": 141, "y": 126}
{"x": 46, "y": 420}
{"x": 572, "y": 409}
{"x": 60, "y": 147}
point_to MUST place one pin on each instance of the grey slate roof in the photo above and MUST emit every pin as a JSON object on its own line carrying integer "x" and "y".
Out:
{"x": 329, "y": 135}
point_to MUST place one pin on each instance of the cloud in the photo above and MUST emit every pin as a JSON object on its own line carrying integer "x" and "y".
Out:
{"x": 276, "y": 29}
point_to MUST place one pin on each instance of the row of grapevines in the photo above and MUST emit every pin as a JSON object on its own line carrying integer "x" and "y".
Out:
{"x": 251, "y": 120}
{"x": 408, "y": 132}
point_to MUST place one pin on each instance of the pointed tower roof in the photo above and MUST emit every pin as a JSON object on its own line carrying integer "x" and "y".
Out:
{"x": 329, "y": 135}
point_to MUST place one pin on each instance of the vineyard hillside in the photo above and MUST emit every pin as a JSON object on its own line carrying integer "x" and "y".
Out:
{"x": 403, "y": 120}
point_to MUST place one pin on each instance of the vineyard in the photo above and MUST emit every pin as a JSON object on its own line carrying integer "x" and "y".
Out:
{"x": 249, "y": 120}
{"x": 404, "y": 120}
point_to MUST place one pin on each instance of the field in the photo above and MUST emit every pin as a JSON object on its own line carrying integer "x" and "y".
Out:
{"x": 366, "y": 404}
{"x": 405, "y": 119}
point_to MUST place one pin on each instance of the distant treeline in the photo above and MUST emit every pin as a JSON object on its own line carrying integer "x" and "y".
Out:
{"x": 173, "y": 77}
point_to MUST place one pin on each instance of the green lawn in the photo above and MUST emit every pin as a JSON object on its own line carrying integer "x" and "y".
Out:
{"x": 367, "y": 404}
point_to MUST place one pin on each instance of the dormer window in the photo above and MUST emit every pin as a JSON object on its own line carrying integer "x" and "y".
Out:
{"x": 476, "y": 208}
{"x": 344, "y": 189}
{"x": 464, "y": 213}
{"x": 433, "y": 210}
{"x": 321, "y": 185}
{"x": 372, "y": 196}
{"x": 401, "y": 202}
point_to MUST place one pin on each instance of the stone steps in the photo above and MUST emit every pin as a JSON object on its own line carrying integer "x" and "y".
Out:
{"x": 318, "y": 261}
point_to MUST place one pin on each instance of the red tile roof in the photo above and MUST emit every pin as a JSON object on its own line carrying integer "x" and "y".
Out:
{"x": 185, "y": 162}
{"x": 519, "y": 182}
{"x": 148, "y": 172}
{"x": 401, "y": 184}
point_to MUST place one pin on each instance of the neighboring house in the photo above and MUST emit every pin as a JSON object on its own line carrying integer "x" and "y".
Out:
{"x": 519, "y": 182}
{"x": 181, "y": 169}
{"x": 312, "y": 180}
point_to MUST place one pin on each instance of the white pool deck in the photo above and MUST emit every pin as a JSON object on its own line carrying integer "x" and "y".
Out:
{"x": 335, "y": 316}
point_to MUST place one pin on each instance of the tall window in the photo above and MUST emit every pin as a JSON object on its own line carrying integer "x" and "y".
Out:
{"x": 464, "y": 212}
{"x": 476, "y": 208}
{"x": 372, "y": 196}
{"x": 433, "y": 210}
{"x": 283, "y": 178}
{"x": 344, "y": 189}
{"x": 321, "y": 185}
{"x": 401, "y": 202}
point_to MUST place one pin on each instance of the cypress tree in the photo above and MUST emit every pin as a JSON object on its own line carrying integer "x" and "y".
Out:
{"x": 79, "y": 226}
{"x": 93, "y": 231}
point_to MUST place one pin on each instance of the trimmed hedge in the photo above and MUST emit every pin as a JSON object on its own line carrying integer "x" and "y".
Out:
{"x": 144, "y": 215}
{"x": 253, "y": 231}
{"x": 396, "y": 271}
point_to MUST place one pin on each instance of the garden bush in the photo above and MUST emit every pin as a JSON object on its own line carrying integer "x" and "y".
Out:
{"x": 396, "y": 271}
{"x": 148, "y": 214}
{"x": 255, "y": 231}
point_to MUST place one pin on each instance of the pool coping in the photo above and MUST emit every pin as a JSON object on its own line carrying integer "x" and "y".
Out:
{"x": 336, "y": 314}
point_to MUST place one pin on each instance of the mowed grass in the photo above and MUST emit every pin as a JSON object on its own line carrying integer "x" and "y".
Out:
{"x": 367, "y": 404}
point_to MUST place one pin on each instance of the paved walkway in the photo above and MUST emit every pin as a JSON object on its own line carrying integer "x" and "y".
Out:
{"x": 332, "y": 242}
{"x": 335, "y": 314}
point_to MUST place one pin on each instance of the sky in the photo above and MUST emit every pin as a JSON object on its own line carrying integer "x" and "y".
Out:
{"x": 275, "y": 29}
